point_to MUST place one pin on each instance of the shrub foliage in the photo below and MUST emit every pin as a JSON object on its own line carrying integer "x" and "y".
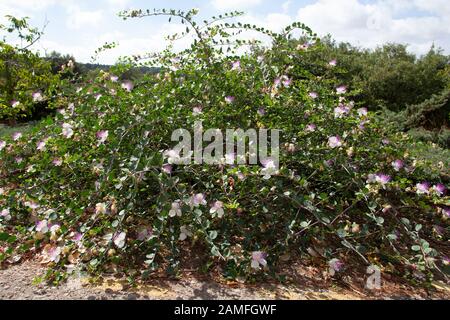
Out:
{"x": 93, "y": 189}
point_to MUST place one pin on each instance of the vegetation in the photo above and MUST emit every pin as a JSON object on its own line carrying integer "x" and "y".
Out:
{"x": 93, "y": 187}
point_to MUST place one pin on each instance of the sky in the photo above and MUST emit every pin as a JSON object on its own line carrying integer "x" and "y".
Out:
{"x": 79, "y": 27}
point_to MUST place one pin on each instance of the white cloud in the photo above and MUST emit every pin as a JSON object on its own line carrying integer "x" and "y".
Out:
{"x": 234, "y": 4}
{"x": 376, "y": 23}
{"x": 286, "y": 5}
{"x": 118, "y": 4}
{"x": 78, "y": 18}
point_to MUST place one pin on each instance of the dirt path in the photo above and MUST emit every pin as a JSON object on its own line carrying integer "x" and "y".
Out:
{"x": 17, "y": 282}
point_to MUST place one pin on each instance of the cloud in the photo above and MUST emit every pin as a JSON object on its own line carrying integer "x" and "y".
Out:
{"x": 372, "y": 24}
{"x": 78, "y": 18}
{"x": 234, "y": 4}
{"x": 118, "y": 4}
{"x": 286, "y": 5}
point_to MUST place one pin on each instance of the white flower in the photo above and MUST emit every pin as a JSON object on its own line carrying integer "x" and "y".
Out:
{"x": 67, "y": 131}
{"x": 42, "y": 226}
{"x": 217, "y": 208}
{"x": 184, "y": 233}
{"x": 100, "y": 208}
{"x": 51, "y": 253}
{"x": 144, "y": 233}
{"x": 16, "y": 136}
{"x": 5, "y": 214}
{"x": 37, "y": 96}
{"x": 198, "y": 200}
{"x": 334, "y": 142}
{"x": 2, "y": 145}
{"x": 258, "y": 258}
{"x": 176, "y": 209}
{"x": 41, "y": 145}
{"x": 119, "y": 240}
{"x": 102, "y": 136}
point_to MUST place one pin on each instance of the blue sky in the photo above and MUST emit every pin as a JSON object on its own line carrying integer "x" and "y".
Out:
{"x": 79, "y": 27}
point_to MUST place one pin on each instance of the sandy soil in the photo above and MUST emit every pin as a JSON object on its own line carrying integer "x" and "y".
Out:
{"x": 18, "y": 282}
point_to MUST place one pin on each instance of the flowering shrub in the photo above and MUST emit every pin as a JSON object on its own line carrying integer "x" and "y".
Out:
{"x": 94, "y": 187}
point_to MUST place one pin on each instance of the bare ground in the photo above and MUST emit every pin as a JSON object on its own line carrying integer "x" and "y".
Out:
{"x": 17, "y": 282}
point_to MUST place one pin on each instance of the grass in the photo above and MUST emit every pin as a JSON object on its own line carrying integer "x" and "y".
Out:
{"x": 24, "y": 128}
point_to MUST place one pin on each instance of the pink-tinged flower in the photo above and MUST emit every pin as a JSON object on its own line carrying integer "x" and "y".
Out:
{"x": 341, "y": 111}
{"x": 236, "y": 66}
{"x": 290, "y": 148}
{"x": 198, "y": 200}
{"x": 5, "y": 214}
{"x": 217, "y": 208}
{"x": 385, "y": 142}
{"x": 18, "y": 160}
{"x": 77, "y": 236}
{"x": 269, "y": 168}
{"x": 42, "y": 226}
{"x": 362, "y": 125}
{"x": 37, "y": 96}
{"x": 97, "y": 97}
{"x": 241, "y": 176}
{"x": 167, "y": 168}
{"x": 258, "y": 260}
{"x": 100, "y": 208}
{"x": 439, "y": 189}
{"x": 382, "y": 178}
{"x": 333, "y": 63}
{"x": 286, "y": 81}
{"x": 341, "y": 89}
{"x": 102, "y": 136}
{"x": 336, "y": 265}
{"x": 185, "y": 232}
{"x": 334, "y": 142}
{"x": 67, "y": 130}
{"x": 261, "y": 111}
{"x": 362, "y": 112}
{"x": 128, "y": 86}
{"x": 41, "y": 145}
{"x": 120, "y": 240}
{"x": 172, "y": 156}
{"x": 2, "y": 145}
{"x": 398, "y": 165}
{"x": 31, "y": 204}
{"x": 114, "y": 78}
{"x": 423, "y": 188}
{"x": 313, "y": 95}
{"x": 144, "y": 233}
{"x": 16, "y": 136}
{"x": 57, "y": 162}
{"x": 2, "y": 191}
{"x": 277, "y": 82}
{"x": 15, "y": 103}
{"x": 310, "y": 127}
{"x": 446, "y": 261}
{"x": 175, "y": 209}
{"x": 446, "y": 211}
{"x": 303, "y": 47}
{"x": 51, "y": 253}
{"x": 229, "y": 99}
{"x": 197, "y": 110}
